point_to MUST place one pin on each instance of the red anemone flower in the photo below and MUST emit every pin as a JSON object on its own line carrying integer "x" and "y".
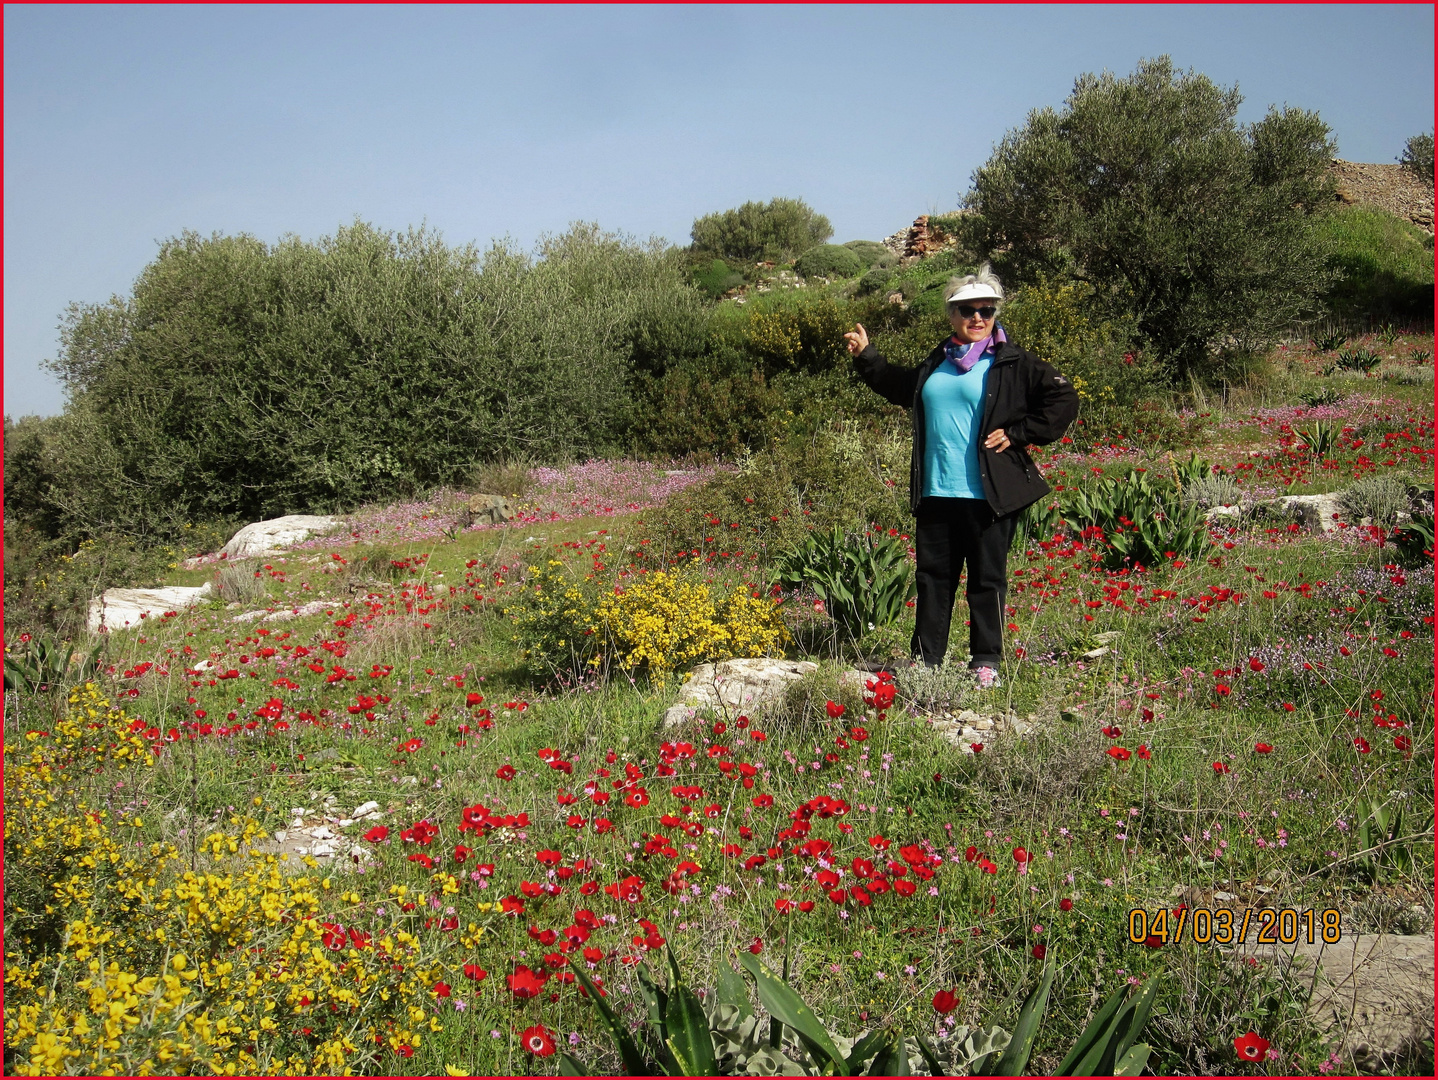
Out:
{"x": 1251, "y": 1047}
{"x": 1262, "y": 748}
{"x": 945, "y": 1001}
{"x": 538, "y": 1040}
{"x": 525, "y": 983}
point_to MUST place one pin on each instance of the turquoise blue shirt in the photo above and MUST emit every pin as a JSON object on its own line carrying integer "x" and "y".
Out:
{"x": 953, "y": 412}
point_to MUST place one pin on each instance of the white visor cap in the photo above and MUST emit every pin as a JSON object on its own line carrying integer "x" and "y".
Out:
{"x": 972, "y": 291}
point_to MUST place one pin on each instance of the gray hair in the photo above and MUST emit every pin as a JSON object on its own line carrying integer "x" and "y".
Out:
{"x": 985, "y": 277}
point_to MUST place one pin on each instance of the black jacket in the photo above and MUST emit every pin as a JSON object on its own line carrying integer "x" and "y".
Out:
{"x": 1024, "y": 395}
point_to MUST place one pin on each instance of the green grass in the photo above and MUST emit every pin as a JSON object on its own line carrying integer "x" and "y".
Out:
{"x": 1108, "y": 834}
{"x": 1385, "y": 262}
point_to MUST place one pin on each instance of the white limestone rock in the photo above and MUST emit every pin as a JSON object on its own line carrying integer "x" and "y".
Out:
{"x": 268, "y": 537}
{"x": 121, "y": 609}
{"x": 736, "y": 686}
{"x": 1314, "y": 511}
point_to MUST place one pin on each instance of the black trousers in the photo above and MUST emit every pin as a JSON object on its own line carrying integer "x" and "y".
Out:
{"x": 953, "y": 534}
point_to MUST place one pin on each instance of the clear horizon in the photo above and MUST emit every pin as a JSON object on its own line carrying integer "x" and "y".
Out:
{"x": 127, "y": 125}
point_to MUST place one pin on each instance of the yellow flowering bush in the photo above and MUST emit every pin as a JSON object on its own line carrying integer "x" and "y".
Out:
{"x": 662, "y": 622}
{"x": 655, "y": 622}
{"x": 122, "y": 960}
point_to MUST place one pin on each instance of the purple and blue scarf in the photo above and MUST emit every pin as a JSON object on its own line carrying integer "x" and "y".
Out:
{"x": 975, "y": 352}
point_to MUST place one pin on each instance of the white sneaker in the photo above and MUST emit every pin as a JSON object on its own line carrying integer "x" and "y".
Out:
{"x": 987, "y": 678}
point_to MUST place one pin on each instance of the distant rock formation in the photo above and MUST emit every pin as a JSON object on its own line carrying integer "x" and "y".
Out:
{"x": 918, "y": 240}
{"x": 1388, "y": 187}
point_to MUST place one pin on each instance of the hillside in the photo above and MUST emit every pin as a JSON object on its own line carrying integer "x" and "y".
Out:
{"x": 1387, "y": 187}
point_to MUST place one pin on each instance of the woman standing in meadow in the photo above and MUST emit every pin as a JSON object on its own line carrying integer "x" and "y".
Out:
{"x": 977, "y": 400}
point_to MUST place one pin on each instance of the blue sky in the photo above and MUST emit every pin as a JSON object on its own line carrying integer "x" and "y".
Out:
{"x": 127, "y": 125}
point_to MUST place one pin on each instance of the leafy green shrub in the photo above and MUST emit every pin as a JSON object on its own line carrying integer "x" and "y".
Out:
{"x": 1330, "y": 341}
{"x": 830, "y": 261}
{"x": 1364, "y": 360}
{"x": 873, "y": 254}
{"x": 789, "y": 331}
{"x": 1415, "y": 540}
{"x": 775, "y": 231}
{"x": 844, "y": 474}
{"x": 1417, "y": 157}
{"x": 50, "y": 586}
{"x": 717, "y": 278}
{"x": 1201, "y": 229}
{"x": 705, "y": 409}
{"x": 1059, "y": 320}
{"x": 1138, "y": 519}
{"x": 864, "y": 581}
{"x": 1378, "y": 498}
{"x": 875, "y": 280}
{"x": 1323, "y": 395}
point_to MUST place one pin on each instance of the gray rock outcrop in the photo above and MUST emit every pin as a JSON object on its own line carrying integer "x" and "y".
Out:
{"x": 120, "y": 609}
{"x": 736, "y": 686}
{"x": 486, "y": 510}
{"x": 267, "y": 537}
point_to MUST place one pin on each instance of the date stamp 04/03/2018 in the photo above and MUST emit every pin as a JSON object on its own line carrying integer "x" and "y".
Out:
{"x": 1222, "y": 926}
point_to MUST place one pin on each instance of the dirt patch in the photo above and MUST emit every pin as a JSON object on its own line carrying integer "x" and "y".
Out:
{"x": 1373, "y": 990}
{"x": 1388, "y": 187}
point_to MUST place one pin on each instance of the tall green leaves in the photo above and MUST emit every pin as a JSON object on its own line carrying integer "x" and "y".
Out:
{"x": 788, "y": 1008}
{"x": 863, "y": 581}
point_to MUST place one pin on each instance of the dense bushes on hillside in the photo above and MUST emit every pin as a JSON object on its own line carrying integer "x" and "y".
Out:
{"x": 829, "y": 260}
{"x": 777, "y": 231}
{"x": 1147, "y": 187}
{"x": 249, "y": 380}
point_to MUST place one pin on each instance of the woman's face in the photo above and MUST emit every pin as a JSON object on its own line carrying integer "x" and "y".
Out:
{"x": 972, "y": 327}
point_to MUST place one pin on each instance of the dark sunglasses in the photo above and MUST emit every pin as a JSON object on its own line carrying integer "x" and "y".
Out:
{"x": 968, "y": 311}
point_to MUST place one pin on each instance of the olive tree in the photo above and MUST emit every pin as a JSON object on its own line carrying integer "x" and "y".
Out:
{"x": 1147, "y": 188}
{"x": 1417, "y": 156}
{"x": 240, "y": 379}
{"x": 779, "y": 230}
